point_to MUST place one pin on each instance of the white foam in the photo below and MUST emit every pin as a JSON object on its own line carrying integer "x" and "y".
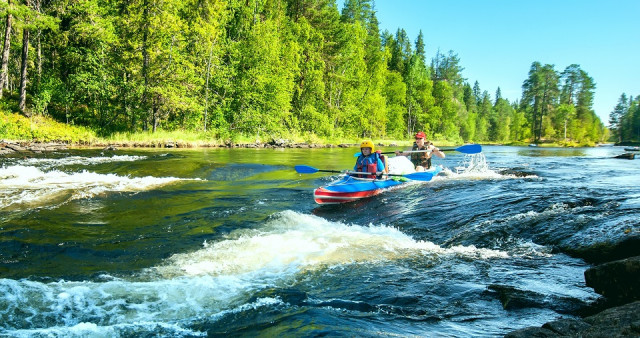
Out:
{"x": 213, "y": 281}
{"x": 30, "y": 186}
{"x": 293, "y": 242}
{"x": 476, "y": 167}
{"x": 78, "y": 160}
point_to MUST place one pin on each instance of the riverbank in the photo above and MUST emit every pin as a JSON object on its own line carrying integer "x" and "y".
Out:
{"x": 10, "y": 147}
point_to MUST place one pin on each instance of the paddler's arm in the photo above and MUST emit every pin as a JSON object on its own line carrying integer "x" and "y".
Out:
{"x": 437, "y": 152}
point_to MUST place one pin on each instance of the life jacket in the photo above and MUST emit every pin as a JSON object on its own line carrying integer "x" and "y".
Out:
{"x": 420, "y": 159}
{"x": 369, "y": 164}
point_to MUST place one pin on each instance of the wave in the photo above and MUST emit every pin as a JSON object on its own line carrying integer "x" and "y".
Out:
{"x": 212, "y": 281}
{"x": 78, "y": 160}
{"x": 27, "y": 186}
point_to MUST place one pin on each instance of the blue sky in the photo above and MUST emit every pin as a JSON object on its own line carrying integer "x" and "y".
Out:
{"x": 498, "y": 40}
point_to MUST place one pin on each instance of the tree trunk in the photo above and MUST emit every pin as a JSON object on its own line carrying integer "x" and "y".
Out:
{"x": 23, "y": 73}
{"x": 145, "y": 64}
{"x": 4, "y": 74}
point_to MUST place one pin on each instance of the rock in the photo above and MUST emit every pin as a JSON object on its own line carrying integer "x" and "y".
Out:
{"x": 618, "y": 281}
{"x": 110, "y": 148}
{"x": 5, "y": 151}
{"x": 626, "y": 156}
{"x": 169, "y": 145}
{"x": 567, "y": 327}
{"x": 513, "y": 298}
{"x": 15, "y": 147}
{"x": 602, "y": 252}
{"x": 531, "y": 332}
{"x": 621, "y": 321}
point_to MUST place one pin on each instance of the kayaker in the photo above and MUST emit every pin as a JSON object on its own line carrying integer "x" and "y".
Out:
{"x": 422, "y": 160}
{"x": 369, "y": 160}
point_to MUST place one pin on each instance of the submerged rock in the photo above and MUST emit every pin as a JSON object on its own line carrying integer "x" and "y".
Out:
{"x": 626, "y": 156}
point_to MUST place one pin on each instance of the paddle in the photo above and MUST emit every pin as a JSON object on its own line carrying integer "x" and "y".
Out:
{"x": 465, "y": 149}
{"x": 420, "y": 176}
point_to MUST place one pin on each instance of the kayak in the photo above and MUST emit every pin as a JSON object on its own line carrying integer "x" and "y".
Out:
{"x": 350, "y": 188}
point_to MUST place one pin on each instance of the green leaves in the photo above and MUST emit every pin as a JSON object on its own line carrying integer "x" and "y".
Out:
{"x": 271, "y": 68}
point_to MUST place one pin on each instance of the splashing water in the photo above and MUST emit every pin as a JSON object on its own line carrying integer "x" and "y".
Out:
{"x": 215, "y": 279}
{"x": 30, "y": 186}
{"x": 473, "y": 163}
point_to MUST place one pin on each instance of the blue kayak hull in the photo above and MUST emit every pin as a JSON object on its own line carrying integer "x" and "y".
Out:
{"x": 349, "y": 188}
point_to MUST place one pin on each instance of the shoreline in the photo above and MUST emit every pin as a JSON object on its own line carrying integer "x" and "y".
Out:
{"x": 10, "y": 147}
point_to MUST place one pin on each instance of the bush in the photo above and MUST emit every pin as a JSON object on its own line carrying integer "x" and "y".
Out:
{"x": 14, "y": 126}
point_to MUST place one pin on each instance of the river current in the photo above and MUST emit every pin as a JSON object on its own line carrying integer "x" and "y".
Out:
{"x": 198, "y": 242}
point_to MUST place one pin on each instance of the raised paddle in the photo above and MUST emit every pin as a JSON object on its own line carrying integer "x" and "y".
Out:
{"x": 420, "y": 176}
{"x": 465, "y": 149}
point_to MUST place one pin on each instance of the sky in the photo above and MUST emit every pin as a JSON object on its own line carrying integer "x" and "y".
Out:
{"x": 498, "y": 40}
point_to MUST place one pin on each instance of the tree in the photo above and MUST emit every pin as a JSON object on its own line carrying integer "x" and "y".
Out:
{"x": 6, "y": 47}
{"x": 540, "y": 93}
{"x": 615, "y": 117}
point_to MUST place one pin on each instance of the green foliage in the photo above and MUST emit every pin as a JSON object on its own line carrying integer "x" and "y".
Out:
{"x": 39, "y": 128}
{"x": 265, "y": 69}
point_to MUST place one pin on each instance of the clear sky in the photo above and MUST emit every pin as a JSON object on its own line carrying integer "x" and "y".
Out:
{"x": 498, "y": 40}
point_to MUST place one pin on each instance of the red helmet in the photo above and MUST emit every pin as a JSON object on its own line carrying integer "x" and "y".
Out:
{"x": 420, "y": 135}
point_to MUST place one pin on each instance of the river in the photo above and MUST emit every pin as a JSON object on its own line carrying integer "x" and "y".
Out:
{"x": 197, "y": 242}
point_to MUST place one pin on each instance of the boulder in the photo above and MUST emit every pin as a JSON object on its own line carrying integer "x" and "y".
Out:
{"x": 15, "y": 147}
{"x": 529, "y": 332}
{"x": 621, "y": 321}
{"x": 618, "y": 281}
{"x": 629, "y": 246}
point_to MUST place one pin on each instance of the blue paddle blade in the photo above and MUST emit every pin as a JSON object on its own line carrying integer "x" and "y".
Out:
{"x": 357, "y": 154}
{"x": 305, "y": 169}
{"x": 422, "y": 176}
{"x": 470, "y": 149}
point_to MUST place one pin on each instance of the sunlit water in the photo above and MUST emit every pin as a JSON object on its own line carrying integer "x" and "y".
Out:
{"x": 217, "y": 241}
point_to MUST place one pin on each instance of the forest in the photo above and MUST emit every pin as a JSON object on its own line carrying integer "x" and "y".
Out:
{"x": 624, "y": 120}
{"x": 266, "y": 69}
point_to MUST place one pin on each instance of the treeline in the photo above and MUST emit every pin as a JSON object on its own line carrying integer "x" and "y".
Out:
{"x": 624, "y": 120}
{"x": 266, "y": 69}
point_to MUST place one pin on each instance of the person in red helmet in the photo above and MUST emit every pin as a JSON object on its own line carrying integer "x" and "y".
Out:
{"x": 422, "y": 160}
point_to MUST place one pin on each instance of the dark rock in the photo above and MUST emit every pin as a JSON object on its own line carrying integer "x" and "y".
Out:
{"x": 531, "y": 332}
{"x": 513, "y": 298}
{"x": 567, "y": 327}
{"x": 626, "y": 156}
{"x": 606, "y": 251}
{"x": 516, "y": 172}
{"x": 621, "y": 321}
{"x": 619, "y": 281}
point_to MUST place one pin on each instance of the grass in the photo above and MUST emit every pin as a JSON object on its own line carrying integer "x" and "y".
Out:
{"x": 16, "y": 127}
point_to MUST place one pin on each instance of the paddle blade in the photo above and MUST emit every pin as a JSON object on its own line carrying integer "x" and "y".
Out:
{"x": 357, "y": 154}
{"x": 470, "y": 149}
{"x": 421, "y": 176}
{"x": 305, "y": 169}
